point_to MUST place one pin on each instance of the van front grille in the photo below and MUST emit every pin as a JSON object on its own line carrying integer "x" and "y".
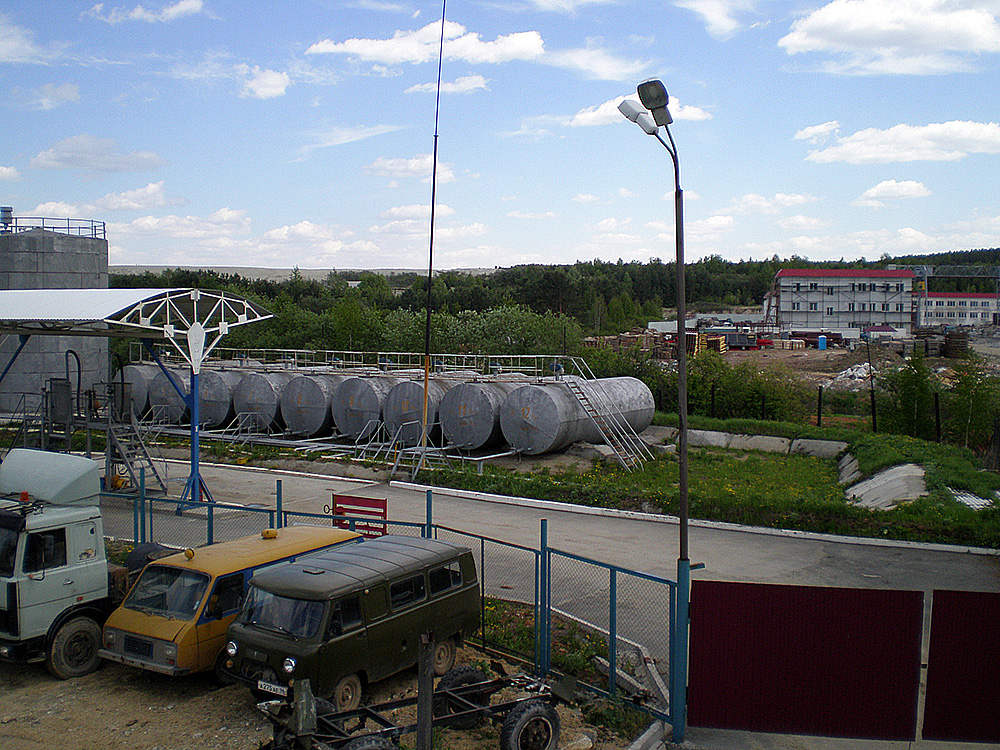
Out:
{"x": 138, "y": 646}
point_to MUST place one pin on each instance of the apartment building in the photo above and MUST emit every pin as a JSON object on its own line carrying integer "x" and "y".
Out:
{"x": 956, "y": 308}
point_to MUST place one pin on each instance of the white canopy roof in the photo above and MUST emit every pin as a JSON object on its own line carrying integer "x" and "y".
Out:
{"x": 184, "y": 317}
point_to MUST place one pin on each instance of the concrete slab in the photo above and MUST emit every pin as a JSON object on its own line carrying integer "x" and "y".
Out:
{"x": 890, "y": 487}
{"x": 819, "y": 448}
{"x": 848, "y": 470}
{"x": 708, "y": 439}
{"x": 765, "y": 443}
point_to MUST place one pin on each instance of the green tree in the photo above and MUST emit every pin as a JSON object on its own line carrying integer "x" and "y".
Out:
{"x": 910, "y": 391}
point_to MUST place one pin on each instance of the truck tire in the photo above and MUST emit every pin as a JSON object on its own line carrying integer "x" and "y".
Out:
{"x": 347, "y": 695}
{"x": 532, "y": 725}
{"x": 459, "y": 677}
{"x": 444, "y": 657}
{"x": 73, "y": 652}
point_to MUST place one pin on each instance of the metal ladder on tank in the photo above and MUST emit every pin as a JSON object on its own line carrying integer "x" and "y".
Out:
{"x": 629, "y": 448}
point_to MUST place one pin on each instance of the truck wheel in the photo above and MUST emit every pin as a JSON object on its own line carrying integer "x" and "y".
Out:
{"x": 444, "y": 657}
{"x": 347, "y": 695}
{"x": 532, "y": 725}
{"x": 456, "y": 678}
{"x": 73, "y": 652}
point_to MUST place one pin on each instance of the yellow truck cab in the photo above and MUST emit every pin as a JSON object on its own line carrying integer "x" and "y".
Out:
{"x": 175, "y": 617}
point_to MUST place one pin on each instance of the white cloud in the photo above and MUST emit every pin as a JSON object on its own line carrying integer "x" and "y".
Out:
{"x": 422, "y": 45}
{"x": 341, "y": 134}
{"x": 51, "y": 96}
{"x": 898, "y": 36}
{"x": 564, "y": 6}
{"x": 754, "y": 203}
{"x": 719, "y": 15}
{"x": 417, "y": 211}
{"x": 712, "y": 227}
{"x": 532, "y": 214}
{"x": 165, "y": 14}
{"x": 625, "y": 193}
{"x": 94, "y": 155}
{"x": 946, "y": 141}
{"x": 585, "y": 198}
{"x": 891, "y": 190}
{"x": 595, "y": 63}
{"x": 463, "y": 85}
{"x": 221, "y": 224}
{"x": 800, "y": 223}
{"x": 9, "y": 173}
{"x": 264, "y": 84}
{"x": 140, "y": 199}
{"x": 17, "y": 45}
{"x": 818, "y": 133}
{"x": 418, "y": 166}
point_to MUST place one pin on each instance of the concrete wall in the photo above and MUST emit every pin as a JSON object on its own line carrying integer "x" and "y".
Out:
{"x": 42, "y": 259}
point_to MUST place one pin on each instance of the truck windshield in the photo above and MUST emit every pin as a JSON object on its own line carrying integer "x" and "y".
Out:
{"x": 8, "y": 548}
{"x": 298, "y": 618}
{"x": 171, "y": 592}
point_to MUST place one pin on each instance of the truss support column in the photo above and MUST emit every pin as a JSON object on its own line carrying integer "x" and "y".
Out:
{"x": 22, "y": 339}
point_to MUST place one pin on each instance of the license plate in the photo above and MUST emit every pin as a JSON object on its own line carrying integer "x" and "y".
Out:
{"x": 273, "y": 689}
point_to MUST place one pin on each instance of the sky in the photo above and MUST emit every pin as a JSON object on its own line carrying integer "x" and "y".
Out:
{"x": 301, "y": 134}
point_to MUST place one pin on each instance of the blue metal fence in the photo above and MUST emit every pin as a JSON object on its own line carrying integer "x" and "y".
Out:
{"x": 627, "y": 616}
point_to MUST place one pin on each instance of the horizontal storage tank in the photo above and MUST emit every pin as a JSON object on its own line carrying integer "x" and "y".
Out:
{"x": 259, "y": 395}
{"x": 215, "y": 396}
{"x": 165, "y": 403}
{"x": 470, "y": 413}
{"x": 357, "y": 405}
{"x": 139, "y": 378}
{"x": 306, "y": 401}
{"x": 403, "y": 410}
{"x": 548, "y": 416}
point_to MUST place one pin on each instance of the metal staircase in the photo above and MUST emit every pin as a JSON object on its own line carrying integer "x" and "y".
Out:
{"x": 629, "y": 448}
{"x": 416, "y": 458}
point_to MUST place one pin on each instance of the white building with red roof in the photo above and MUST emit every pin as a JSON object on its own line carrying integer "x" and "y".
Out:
{"x": 956, "y": 308}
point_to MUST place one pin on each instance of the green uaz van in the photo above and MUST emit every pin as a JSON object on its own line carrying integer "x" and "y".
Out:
{"x": 345, "y": 618}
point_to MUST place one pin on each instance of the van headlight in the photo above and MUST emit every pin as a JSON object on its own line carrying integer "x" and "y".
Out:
{"x": 232, "y": 648}
{"x": 288, "y": 665}
{"x": 109, "y": 638}
{"x": 170, "y": 652}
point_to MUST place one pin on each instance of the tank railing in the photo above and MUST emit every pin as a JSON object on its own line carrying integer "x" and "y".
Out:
{"x": 618, "y": 423}
{"x": 74, "y": 227}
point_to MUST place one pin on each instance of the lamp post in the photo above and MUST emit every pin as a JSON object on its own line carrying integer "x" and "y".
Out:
{"x": 653, "y": 96}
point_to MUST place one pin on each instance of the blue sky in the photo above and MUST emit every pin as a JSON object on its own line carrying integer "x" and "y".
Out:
{"x": 225, "y": 133}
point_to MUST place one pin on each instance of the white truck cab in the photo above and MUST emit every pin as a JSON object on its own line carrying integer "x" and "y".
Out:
{"x": 56, "y": 587}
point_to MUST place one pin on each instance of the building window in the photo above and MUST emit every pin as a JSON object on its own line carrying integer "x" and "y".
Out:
{"x": 939, "y": 303}
{"x": 798, "y": 286}
{"x": 951, "y": 315}
{"x": 796, "y": 305}
{"x": 861, "y": 307}
{"x": 951, "y": 303}
{"x": 973, "y": 315}
{"x": 813, "y": 286}
{"x": 871, "y": 287}
{"x": 813, "y": 306}
{"x": 850, "y": 307}
{"x": 961, "y": 315}
{"x": 829, "y": 291}
{"x": 899, "y": 307}
{"x": 885, "y": 307}
{"x": 829, "y": 311}
{"x": 899, "y": 287}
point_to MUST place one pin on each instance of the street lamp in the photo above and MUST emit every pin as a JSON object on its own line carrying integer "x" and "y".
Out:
{"x": 653, "y": 96}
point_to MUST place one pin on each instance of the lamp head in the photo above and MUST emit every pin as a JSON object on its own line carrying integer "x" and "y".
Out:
{"x": 632, "y": 111}
{"x": 653, "y": 95}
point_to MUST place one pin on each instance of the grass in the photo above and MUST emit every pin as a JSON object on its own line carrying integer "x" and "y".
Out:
{"x": 774, "y": 490}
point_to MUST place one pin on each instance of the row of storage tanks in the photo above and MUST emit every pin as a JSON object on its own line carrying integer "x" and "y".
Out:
{"x": 465, "y": 410}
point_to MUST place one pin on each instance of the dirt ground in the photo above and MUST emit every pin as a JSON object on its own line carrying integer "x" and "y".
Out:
{"x": 120, "y": 708}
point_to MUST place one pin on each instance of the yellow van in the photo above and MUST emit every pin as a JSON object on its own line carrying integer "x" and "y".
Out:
{"x": 174, "y": 619}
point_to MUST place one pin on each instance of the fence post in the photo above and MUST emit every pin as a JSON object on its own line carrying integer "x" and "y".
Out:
{"x": 613, "y": 634}
{"x": 546, "y": 613}
{"x": 211, "y": 522}
{"x": 819, "y": 406}
{"x": 429, "y": 528}
{"x": 277, "y": 502}
{"x": 678, "y": 670}
{"x": 142, "y": 506}
{"x": 482, "y": 592}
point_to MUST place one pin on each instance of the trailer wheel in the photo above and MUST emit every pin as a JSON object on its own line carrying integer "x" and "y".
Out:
{"x": 370, "y": 743}
{"x": 532, "y": 725}
{"x": 347, "y": 695}
{"x": 73, "y": 652}
{"x": 459, "y": 677}
{"x": 444, "y": 657}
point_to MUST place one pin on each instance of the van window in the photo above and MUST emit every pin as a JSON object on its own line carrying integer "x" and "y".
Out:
{"x": 408, "y": 592}
{"x": 445, "y": 577}
{"x": 163, "y": 590}
{"x": 46, "y": 549}
{"x": 346, "y": 616}
{"x": 281, "y": 614}
{"x": 228, "y": 593}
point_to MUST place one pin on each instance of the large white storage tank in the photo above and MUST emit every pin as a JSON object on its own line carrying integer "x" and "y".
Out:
{"x": 470, "y": 413}
{"x": 306, "y": 402}
{"x": 548, "y": 416}
{"x": 259, "y": 396}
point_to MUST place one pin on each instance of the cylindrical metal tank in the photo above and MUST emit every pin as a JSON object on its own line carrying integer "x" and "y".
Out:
{"x": 470, "y": 413}
{"x": 139, "y": 378}
{"x": 259, "y": 395}
{"x": 403, "y": 410}
{"x": 305, "y": 404}
{"x": 165, "y": 403}
{"x": 357, "y": 405}
{"x": 215, "y": 396}
{"x": 548, "y": 416}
